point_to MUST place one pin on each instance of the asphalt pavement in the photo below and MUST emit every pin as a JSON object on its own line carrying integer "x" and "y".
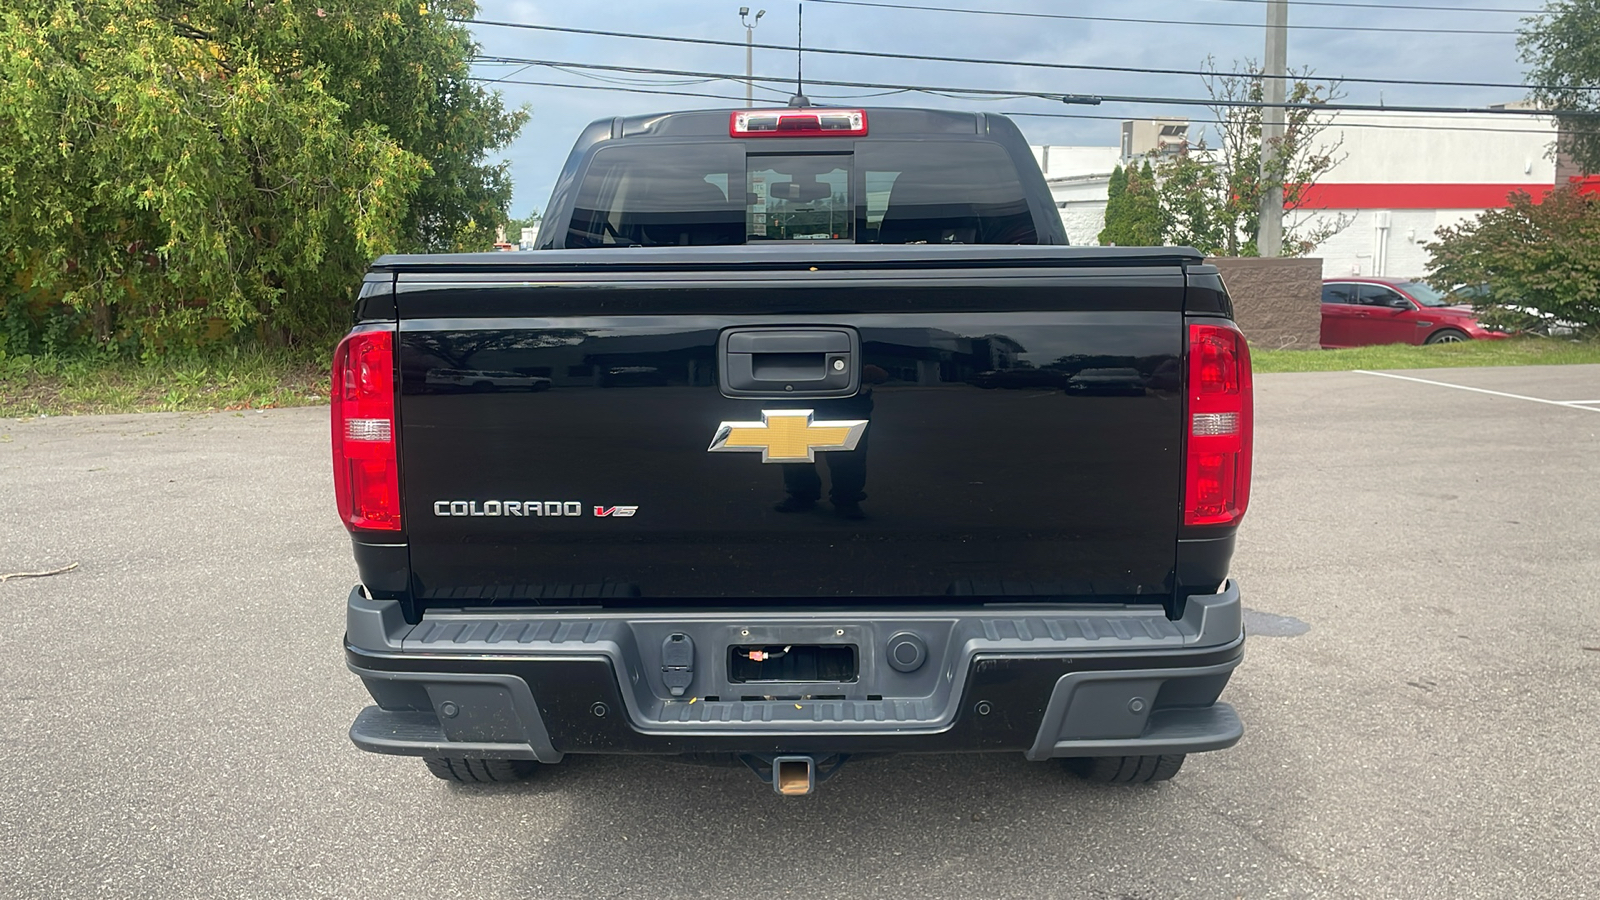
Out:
{"x": 176, "y": 706}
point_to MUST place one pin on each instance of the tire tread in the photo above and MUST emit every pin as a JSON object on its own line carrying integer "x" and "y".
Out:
{"x": 1127, "y": 769}
{"x": 480, "y": 771}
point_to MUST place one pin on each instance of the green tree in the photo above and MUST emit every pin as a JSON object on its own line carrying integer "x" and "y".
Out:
{"x": 1133, "y": 209}
{"x": 1211, "y": 197}
{"x": 1538, "y": 256}
{"x": 185, "y": 170}
{"x": 1194, "y": 206}
{"x": 1116, "y": 207}
{"x": 405, "y": 65}
{"x": 1562, "y": 49}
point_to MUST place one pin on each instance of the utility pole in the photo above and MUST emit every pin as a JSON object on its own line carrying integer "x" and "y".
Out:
{"x": 1274, "y": 90}
{"x": 749, "y": 52}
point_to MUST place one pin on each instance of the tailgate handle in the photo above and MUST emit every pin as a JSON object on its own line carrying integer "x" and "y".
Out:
{"x": 790, "y": 362}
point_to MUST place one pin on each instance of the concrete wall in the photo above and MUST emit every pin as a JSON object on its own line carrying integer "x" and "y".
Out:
{"x": 1366, "y": 247}
{"x": 1061, "y": 161}
{"x": 1277, "y": 302}
{"x": 1083, "y": 222}
{"x": 1082, "y": 204}
{"x": 1159, "y": 136}
{"x": 1078, "y": 178}
{"x": 1397, "y": 182}
{"x": 1456, "y": 149}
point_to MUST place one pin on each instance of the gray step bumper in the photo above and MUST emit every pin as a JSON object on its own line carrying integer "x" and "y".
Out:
{"x": 1090, "y": 681}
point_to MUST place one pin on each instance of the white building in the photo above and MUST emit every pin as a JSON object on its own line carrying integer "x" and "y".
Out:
{"x": 1400, "y": 179}
{"x": 1405, "y": 176}
{"x": 1078, "y": 178}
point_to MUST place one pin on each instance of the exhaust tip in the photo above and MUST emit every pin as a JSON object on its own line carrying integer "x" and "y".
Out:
{"x": 794, "y": 776}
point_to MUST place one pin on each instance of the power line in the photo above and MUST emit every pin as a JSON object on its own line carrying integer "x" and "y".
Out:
{"x": 516, "y": 72}
{"x": 1033, "y": 64}
{"x": 641, "y": 90}
{"x": 1188, "y": 22}
{"x": 1012, "y": 113}
{"x": 603, "y": 87}
{"x": 1337, "y": 123}
{"x": 1050, "y": 95}
{"x": 1336, "y": 3}
{"x": 647, "y": 82}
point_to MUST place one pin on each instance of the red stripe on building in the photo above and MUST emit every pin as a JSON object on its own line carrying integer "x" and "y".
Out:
{"x": 1415, "y": 196}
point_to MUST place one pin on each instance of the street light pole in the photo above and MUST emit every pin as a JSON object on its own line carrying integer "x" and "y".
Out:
{"x": 749, "y": 52}
{"x": 1269, "y": 236}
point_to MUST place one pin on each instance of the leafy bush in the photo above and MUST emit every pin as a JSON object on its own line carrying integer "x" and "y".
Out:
{"x": 217, "y": 171}
{"x": 1537, "y": 260}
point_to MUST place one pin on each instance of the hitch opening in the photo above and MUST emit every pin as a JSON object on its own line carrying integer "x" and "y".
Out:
{"x": 794, "y": 776}
{"x": 797, "y": 774}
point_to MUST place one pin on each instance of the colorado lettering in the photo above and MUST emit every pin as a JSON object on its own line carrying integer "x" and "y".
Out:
{"x": 525, "y": 509}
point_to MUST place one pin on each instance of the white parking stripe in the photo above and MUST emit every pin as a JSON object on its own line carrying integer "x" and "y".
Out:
{"x": 1569, "y": 404}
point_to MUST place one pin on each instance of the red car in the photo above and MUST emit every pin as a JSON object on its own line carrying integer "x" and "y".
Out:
{"x": 1358, "y": 312}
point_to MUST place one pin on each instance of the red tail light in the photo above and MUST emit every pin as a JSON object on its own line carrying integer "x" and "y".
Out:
{"x": 1216, "y": 484}
{"x": 797, "y": 123}
{"x": 366, "y": 472}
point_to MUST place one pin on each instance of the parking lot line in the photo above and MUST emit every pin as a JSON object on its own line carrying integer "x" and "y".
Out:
{"x": 1569, "y": 404}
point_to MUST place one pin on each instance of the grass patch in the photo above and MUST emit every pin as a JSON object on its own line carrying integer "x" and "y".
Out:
{"x": 32, "y": 386}
{"x": 1528, "y": 351}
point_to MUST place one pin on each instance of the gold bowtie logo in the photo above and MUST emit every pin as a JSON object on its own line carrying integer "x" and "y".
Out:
{"x": 788, "y": 436}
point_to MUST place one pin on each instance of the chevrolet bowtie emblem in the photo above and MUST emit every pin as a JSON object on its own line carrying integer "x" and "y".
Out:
{"x": 788, "y": 436}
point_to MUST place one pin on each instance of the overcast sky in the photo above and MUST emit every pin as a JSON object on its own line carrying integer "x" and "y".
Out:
{"x": 559, "y": 113}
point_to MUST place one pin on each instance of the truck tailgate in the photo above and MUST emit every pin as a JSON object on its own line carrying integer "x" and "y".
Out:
{"x": 1022, "y": 443}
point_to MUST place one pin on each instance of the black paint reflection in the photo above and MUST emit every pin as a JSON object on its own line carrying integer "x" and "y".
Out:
{"x": 1038, "y": 450}
{"x": 632, "y": 376}
{"x": 483, "y": 380}
{"x": 847, "y": 470}
{"x": 556, "y": 357}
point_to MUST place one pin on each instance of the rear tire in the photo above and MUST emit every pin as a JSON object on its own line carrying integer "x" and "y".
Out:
{"x": 480, "y": 771}
{"x": 1447, "y": 336}
{"x": 1126, "y": 769}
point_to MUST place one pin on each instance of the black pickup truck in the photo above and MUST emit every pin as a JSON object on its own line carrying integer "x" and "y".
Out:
{"x": 801, "y": 435}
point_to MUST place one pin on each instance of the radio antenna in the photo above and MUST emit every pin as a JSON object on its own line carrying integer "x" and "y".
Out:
{"x": 799, "y": 100}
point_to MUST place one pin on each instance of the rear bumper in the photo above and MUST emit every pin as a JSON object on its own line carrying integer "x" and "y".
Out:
{"x": 1057, "y": 682}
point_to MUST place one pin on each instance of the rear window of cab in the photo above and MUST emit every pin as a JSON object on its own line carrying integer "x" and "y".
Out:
{"x": 882, "y": 192}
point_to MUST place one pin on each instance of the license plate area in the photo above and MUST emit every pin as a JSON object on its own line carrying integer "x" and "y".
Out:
{"x": 793, "y": 663}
